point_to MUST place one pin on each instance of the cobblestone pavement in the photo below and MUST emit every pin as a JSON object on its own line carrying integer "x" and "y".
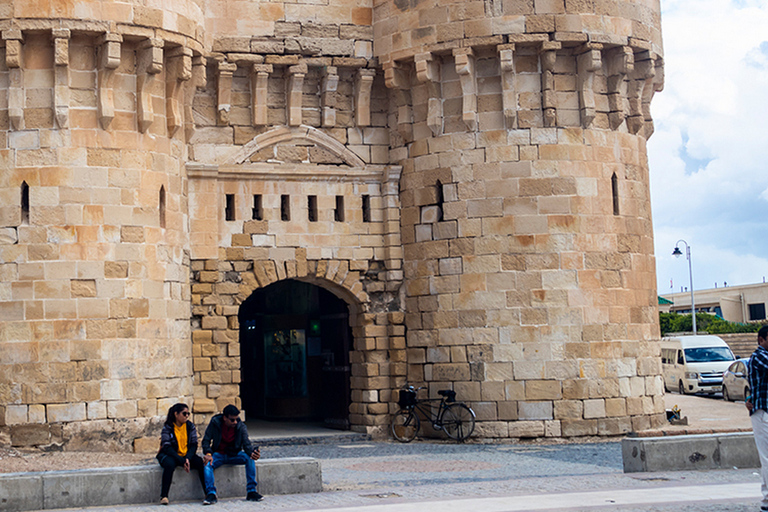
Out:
{"x": 393, "y": 477}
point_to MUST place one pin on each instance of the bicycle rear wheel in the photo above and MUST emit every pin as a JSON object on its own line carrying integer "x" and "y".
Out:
{"x": 458, "y": 421}
{"x": 405, "y": 424}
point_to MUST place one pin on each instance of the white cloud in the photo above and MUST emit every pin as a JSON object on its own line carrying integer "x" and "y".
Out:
{"x": 709, "y": 155}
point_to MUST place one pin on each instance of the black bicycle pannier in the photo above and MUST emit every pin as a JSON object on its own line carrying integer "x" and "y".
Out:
{"x": 407, "y": 398}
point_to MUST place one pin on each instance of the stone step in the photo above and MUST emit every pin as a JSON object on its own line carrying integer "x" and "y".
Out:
{"x": 141, "y": 484}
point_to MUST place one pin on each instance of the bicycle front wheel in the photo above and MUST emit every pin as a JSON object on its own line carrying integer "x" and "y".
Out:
{"x": 405, "y": 425}
{"x": 458, "y": 421}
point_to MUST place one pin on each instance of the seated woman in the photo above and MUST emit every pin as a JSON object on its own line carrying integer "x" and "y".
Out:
{"x": 178, "y": 444}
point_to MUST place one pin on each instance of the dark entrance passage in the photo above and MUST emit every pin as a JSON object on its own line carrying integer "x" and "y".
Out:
{"x": 294, "y": 348}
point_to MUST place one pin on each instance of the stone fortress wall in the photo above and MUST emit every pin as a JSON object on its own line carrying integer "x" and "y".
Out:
{"x": 470, "y": 177}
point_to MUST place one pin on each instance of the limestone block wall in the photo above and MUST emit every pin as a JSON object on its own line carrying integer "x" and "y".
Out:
{"x": 528, "y": 254}
{"x": 94, "y": 296}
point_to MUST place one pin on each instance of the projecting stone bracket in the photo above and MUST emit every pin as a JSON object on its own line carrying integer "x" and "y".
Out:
{"x": 428, "y": 72}
{"x": 294, "y": 87}
{"x": 14, "y": 59}
{"x": 548, "y": 57}
{"x": 508, "y": 94}
{"x": 642, "y": 77}
{"x": 465, "y": 68}
{"x": 329, "y": 86}
{"x": 259, "y": 82}
{"x": 363, "y": 86}
{"x": 150, "y": 64}
{"x": 225, "y": 71}
{"x": 621, "y": 62}
{"x": 179, "y": 71}
{"x": 108, "y": 60}
{"x": 588, "y": 63}
{"x": 396, "y": 77}
{"x": 61, "y": 76}
{"x": 196, "y": 82}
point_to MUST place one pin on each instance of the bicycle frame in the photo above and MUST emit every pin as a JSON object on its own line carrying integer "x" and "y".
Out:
{"x": 421, "y": 408}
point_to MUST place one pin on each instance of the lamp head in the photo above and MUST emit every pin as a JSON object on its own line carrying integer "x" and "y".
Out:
{"x": 677, "y": 252}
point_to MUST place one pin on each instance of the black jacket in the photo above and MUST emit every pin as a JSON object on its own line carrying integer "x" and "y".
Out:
{"x": 212, "y": 437}
{"x": 169, "y": 444}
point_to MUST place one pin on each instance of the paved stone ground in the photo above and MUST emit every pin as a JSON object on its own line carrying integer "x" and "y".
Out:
{"x": 393, "y": 477}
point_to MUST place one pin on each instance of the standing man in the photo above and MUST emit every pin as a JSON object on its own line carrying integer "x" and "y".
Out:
{"x": 757, "y": 405}
{"x": 226, "y": 442}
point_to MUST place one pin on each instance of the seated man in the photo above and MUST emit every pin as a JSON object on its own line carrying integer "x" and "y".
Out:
{"x": 226, "y": 442}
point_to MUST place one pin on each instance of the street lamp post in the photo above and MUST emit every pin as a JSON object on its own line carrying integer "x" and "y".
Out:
{"x": 677, "y": 253}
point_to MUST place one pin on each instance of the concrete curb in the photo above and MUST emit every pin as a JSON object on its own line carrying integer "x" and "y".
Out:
{"x": 141, "y": 484}
{"x": 689, "y": 452}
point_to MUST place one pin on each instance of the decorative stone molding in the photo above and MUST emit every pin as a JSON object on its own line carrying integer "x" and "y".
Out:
{"x": 428, "y": 72}
{"x": 109, "y": 55}
{"x": 150, "y": 63}
{"x": 179, "y": 71}
{"x": 14, "y": 60}
{"x": 294, "y": 88}
{"x": 299, "y": 133}
{"x": 224, "y": 91}
{"x": 363, "y": 85}
{"x": 465, "y": 68}
{"x": 328, "y": 95}
{"x": 588, "y": 63}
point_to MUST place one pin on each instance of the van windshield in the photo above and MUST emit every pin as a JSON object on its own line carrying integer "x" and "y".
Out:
{"x": 708, "y": 354}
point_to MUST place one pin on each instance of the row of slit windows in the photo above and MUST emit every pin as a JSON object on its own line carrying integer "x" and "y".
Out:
{"x": 257, "y": 210}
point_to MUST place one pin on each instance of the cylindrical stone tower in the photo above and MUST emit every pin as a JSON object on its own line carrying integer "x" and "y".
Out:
{"x": 94, "y": 300}
{"x": 526, "y": 222}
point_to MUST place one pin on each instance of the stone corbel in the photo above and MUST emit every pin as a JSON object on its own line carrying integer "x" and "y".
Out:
{"x": 224, "y": 93}
{"x": 14, "y": 60}
{"x": 198, "y": 81}
{"x": 61, "y": 76}
{"x": 548, "y": 57}
{"x": 508, "y": 96}
{"x": 363, "y": 86}
{"x": 642, "y": 77}
{"x": 329, "y": 86}
{"x": 150, "y": 63}
{"x": 621, "y": 62}
{"x": 588, "y": 63}
{"x": 428, "y": 72}
{"x": 259, "y": 82}
{"x": 396, "y": 77}
{"x": 465, "y": 68}
{"x": 179, "y": 71}
{"x": 293, "y": 93}
{"x": 656, "y": 85}
{"x": 108, "y": 60}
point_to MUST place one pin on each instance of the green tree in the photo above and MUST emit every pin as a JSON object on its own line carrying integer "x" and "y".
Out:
{"x": 674, "y": 322}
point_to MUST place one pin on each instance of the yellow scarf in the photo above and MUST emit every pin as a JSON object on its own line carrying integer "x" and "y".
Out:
{"x": 181, "y": 437}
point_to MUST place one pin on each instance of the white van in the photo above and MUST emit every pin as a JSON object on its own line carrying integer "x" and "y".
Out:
{"x": 694, "y": 364}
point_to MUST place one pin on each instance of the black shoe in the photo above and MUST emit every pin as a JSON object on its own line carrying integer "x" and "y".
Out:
{"x": 210, "y": 499}
{"x": 254, "y": 496}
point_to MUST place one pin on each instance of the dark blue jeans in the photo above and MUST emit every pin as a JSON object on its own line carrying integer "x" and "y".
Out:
{"x": 219, "y": 459}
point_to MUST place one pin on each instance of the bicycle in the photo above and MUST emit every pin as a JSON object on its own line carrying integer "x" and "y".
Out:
{"x": 454, "y": 418}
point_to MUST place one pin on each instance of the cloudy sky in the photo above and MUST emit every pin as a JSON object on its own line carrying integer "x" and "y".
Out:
{"x": 709, "y": 154}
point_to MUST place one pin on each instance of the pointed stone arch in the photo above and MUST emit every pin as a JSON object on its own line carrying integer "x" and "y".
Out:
{"x": 298, "y": 133}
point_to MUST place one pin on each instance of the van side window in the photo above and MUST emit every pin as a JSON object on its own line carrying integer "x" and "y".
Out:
{"x": 680, "y": 359}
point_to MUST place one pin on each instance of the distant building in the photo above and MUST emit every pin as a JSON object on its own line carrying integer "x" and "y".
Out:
{"x": 733, "y": 303}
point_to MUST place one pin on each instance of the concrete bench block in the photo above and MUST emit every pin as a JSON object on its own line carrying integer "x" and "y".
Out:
{"x": 21, "y": 491}
{"x": 691, "y": 452}
{"x": 141, "y": 484}
{"x": 300, "y": 475}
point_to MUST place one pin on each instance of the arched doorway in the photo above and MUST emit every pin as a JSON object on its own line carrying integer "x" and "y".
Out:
{"x": 294, "y": 349}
